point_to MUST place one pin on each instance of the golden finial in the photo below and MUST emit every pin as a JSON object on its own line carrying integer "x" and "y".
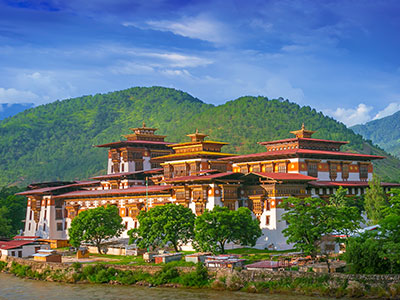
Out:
{"x": 302, "y": 126}
{"x": 144, "y": 124}
{"x": 197, "y": 130}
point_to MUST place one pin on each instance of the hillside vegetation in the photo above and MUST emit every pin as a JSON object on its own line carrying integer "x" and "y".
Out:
{"x": 384, "y": 132}
{"x": 55, "y": 141}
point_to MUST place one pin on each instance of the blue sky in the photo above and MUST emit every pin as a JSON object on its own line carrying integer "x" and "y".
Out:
{"x": 340, "y": 57}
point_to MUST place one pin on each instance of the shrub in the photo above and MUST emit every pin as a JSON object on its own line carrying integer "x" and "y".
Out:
{"x": 3, "y": 265}
{"x": 168, "y": 274}
{"x": 198, "y": 278}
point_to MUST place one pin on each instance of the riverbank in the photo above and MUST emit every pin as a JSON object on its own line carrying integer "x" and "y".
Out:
{"x": 288, "y": 282}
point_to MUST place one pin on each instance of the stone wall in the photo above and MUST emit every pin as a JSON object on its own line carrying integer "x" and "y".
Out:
{"x": 265, "y": 275}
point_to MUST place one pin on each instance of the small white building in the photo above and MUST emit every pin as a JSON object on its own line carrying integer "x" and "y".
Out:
{"x": 21, "y": 248}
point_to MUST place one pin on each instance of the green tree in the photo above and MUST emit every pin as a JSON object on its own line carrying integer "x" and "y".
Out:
{"x": 5, "y": 223}
{"x": 348, "y": 212}
{"x": 375, "y": 200}
{"x": 169, "y": 223}
{"x": 213, "y": 229}
{"x": 95, "y": 226}
{"x": 378, "y": 251}
{"x": 15, "y": 206}
{"x": 310, "y": 219}
{"x": 364, "y": 254}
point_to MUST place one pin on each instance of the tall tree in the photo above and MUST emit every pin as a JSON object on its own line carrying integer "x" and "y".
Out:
{"x": 375, "y": 200}
{"x": 213, "y": 229}
{"x": 169, "y": 223}
{"x": 5, "y": 223}
{"x": 95, "y": 226}
{"x": 310, "y": 219}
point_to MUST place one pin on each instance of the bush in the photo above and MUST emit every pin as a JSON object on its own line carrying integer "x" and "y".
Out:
{"x": 168, "y": 274}
{"x": 3, "y": 265}
{"x": 198, "y": 278}
{"x": 76, "y": 266}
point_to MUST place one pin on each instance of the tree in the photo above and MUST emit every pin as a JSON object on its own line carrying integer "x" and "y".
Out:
{"x": 15, "y": 206}
{"x": 170, "y": 223}
{"x": 375, "y": 200}
{"x": 213, "y": 229}
{"x": 5, "y": 223}
{"x": 310, "y": 219}
{"x": 95, "y": 226}
{"x": 378, "y": 251}
{"x": 348, "y": 212}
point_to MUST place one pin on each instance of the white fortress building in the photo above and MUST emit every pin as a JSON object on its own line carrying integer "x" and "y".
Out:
{"x": 144, "y": 171}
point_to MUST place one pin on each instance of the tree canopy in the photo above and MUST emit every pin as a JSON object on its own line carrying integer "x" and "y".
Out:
{"x": 170, "y": 223}
{"x": 310, "y": 219}
{"x": 95, "y": 226}
{"x": 215, "y": 228}
{"x": 12, "y": 211}
{"x": 375, "y": 200}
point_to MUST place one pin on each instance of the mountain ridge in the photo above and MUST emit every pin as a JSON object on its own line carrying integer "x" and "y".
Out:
{"x": 384, "y": 132}
{"x": 54, "y": 141}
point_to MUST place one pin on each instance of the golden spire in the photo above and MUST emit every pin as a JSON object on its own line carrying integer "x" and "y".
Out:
{"x": 197, "y": 137}
{"x": 144, "y": 124}
{"x": 303, "y": 132}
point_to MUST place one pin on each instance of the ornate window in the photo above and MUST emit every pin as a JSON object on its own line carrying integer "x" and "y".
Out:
{"x": 312, "y": 169}
{"x": 244, "y": 169}
{"x": 282, "y": 168}
{"x": 345, "y": 172}
{"x": 59, "y": 215}
{"x": 332, "y": 171}
{"x": 269, "y": 168}
{"x": 363, "y": 172}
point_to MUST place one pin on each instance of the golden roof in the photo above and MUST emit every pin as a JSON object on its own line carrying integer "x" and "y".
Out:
{"x": 303, "y": 132}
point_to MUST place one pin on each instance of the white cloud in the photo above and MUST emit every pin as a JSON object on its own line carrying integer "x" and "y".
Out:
{"x": 13, "y": 95}
{"x": 176, "y": 72}
{"x": 388, "y": 110}
{"x": 351, "y": 116}
{"x": 201, "y": 27}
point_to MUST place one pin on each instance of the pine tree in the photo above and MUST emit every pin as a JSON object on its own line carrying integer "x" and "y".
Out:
{"x": 375, "y": 200}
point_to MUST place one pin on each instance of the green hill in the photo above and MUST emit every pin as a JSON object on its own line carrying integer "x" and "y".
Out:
{"x": 55, "y": 141}
{"x": 384, "y": 132}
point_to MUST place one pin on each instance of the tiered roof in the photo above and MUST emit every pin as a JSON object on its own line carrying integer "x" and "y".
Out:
{"x": 140, "y": 136}
{"x": 196, "y": 148}
{"x": 303, "y": 145}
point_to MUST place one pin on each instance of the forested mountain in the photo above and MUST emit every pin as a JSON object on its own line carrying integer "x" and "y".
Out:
{"x": 55, "y": 141}
{"x": 384, "y": 132}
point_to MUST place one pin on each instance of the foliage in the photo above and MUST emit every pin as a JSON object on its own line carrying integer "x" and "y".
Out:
{"x": 375, "y": 200}
{"x": 95, "y": 226}
{"x": 348, "y": 211}
{"x": 12, "y": 211}
{"x": 164, "y": 224}
{"x": 384, "y": 132}
{"x": 364, "y": 254}
{"x": 5, "y": 226}
{"x": 213, "y": 229}
{"x": 378, "y": 251}
{"x": 198, "y": 278}
{"x": 54, "y": 141}
{"x": 310, "y": 219}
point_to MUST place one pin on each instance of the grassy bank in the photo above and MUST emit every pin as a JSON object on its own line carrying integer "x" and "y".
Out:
{"x": 200, "y": 277}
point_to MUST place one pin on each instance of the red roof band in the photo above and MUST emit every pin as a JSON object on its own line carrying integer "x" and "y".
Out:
{"x": 302, "y": 152}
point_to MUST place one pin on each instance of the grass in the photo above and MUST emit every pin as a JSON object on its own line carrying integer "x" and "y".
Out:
{"x": 138, "y": 260}
{"x": 252, "y": 255}
{"x": 256, "y": 251}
